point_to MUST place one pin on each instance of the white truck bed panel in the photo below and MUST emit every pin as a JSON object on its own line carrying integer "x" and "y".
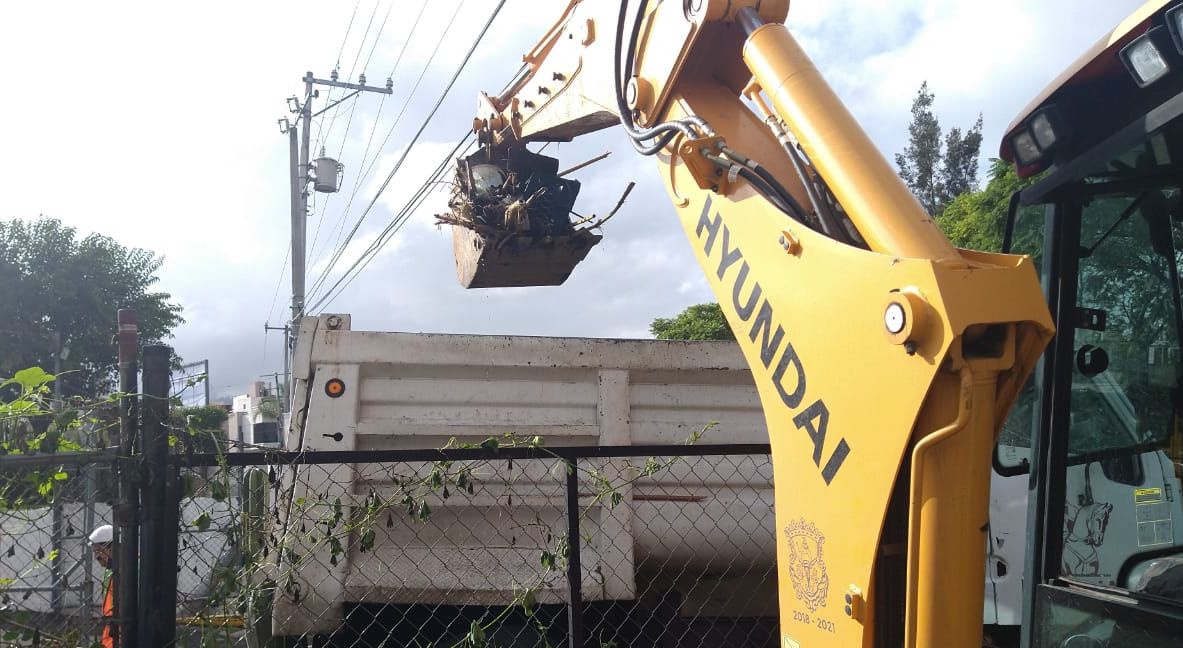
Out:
{"x": 710, "y": 515}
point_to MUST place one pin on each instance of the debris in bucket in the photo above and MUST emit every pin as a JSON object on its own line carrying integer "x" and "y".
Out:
{"x": 511, "y": 214}
{"x": 519, "y": 194}
{"x": 619, "y": 203}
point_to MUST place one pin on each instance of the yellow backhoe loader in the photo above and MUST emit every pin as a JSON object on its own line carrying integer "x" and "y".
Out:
{"x": 886, "y": 359}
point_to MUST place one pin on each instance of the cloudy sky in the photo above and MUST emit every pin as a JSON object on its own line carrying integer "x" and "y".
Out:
{"x": 155, "y": 123}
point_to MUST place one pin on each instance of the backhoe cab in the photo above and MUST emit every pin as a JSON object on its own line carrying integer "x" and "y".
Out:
{"x": 1099, "y": 428}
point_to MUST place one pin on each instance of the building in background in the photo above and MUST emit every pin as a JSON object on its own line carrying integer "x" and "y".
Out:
{"x": 256, "y": 418}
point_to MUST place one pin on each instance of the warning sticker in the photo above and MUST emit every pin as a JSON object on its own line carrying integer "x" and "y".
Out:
{"x": 1147, "y": 495}
{"x": 1153, "y": 517}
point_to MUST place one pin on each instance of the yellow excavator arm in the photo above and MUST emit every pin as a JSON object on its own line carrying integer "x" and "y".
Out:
{"x": 885, "y": 358}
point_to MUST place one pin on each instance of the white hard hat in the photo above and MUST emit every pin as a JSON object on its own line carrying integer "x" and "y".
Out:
{"x": 102, "y": 534}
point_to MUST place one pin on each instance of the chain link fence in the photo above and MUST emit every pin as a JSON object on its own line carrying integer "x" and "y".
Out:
{"x": 665, "y": 546}
{"x": 51, "y": 586}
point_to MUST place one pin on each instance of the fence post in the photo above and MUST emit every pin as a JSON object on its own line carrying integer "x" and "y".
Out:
{"x": 87, "y": 558}
{"x": 574, "y": 571}
{"x": 170, "y": 550}
{"x": 57, "y": 592}
{"x": 152, "y": 616}
{"x": 125, "y": 575}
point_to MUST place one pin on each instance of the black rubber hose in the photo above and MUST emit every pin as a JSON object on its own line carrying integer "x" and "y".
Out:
{"x": 665, "y": 132}
{"x": 784, "y": 194}
{"x": 775, "y": 193}
{"x": 769, "y": 193}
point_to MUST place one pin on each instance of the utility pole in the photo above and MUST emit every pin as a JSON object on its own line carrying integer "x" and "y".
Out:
{"x": 301, "y": 175}
{"x": 306, "y": 117}
{"x": 301, "y": 168}
{"x": 298, "y": 218}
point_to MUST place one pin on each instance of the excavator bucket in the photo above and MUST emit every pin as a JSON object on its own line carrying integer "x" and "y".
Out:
{"x": 484, "y": 262}
{"x": 511, "y": 221}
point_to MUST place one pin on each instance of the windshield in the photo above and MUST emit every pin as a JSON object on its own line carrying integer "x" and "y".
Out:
{"x": 1123, "y": 507}
{"x": 1128, "y": 336}
{"x": 1128, "y": 324}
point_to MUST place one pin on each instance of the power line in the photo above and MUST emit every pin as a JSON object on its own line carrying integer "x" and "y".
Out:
{"x": 346, "y": 38}
{"x": 401, "y": 217}
{"x": 422, "y": 127}
{"x": 322, "y": 133}
{"x": 433, "y": 182}
{"x": 430, "y": 115}
{"x": 364, "y": 67}
{"x": 414, "y": 25}
{"x": 371, "y": 252}
{"x": 381, "y": 240}
{"x": 360, "y": 177}
{"x": 340, "y": 246}
{"x": 357, "y": 183}
{"x": 279, "y": 282}
{"x": 366, "y": 34}
{"x": 430, "y": 59}
{"x": 321, "y": 141}
{"x": 300, "y": 168}
{"x": 381, "y": 28}
{"x": 328, "y": 197}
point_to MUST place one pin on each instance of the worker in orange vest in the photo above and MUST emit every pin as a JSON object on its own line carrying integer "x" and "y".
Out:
{"x": 100, "y": 543}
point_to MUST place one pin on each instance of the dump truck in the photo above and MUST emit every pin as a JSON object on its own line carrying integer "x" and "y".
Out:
{"x": 377, "y": 391}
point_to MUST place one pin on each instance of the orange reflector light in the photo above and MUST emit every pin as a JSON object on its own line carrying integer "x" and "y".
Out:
{"x": 335, "y": 387}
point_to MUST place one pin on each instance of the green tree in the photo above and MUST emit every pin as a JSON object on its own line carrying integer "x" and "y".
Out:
{"x": 976, "y": 219}
{"x": 920, "y": 162}
{"x": 201, "y": 427}
{"x": 61, "y": 290}
{"x": 698, "y": 322}
{"x": 937, "y": 175}
{"x": 959, "y": 171}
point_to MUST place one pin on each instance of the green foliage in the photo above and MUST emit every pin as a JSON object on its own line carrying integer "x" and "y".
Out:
{"x": 199, "y": 428}
{"x": 959, "y": 171}
{"x": 921, "y": 160}
{"x": 30, "y": 380}
{"x": 698, "y": 322}
{"x": 28, "y": 425}
{"x": 269, "y": 408}
{"x": 208, "y": 417}
{"x": 201, "y": 522}
{"x": 976, "y": 220}
{"x": 59, "y": 288}
{"x": 935, "y": 175}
